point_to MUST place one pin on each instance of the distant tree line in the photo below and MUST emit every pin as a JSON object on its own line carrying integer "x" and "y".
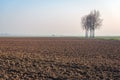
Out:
{"x": 91, "y": 22}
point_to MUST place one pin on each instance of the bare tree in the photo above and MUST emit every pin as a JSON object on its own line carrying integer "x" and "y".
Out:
{"x": 85, "y": 25}
{"x": 91, "y": 22}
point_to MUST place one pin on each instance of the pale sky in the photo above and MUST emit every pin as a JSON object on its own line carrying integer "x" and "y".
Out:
{"x": 58, "y": 17}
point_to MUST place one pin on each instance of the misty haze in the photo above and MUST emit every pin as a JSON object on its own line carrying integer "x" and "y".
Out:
{"x": 59, "y": 40}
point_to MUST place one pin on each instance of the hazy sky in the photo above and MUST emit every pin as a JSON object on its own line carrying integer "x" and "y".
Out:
{"x": 58, "y": 17}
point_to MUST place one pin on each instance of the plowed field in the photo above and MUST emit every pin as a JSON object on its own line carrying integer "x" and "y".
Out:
{"x": 59, "y": 59}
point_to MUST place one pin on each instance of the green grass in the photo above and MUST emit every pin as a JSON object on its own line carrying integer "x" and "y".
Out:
{"x": 109, "y": 37}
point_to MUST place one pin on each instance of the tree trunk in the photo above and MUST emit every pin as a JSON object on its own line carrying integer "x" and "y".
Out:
{"x": 90, "y": 33}
{"x": 93, "y": 33}
{"x": 86, "y": 33}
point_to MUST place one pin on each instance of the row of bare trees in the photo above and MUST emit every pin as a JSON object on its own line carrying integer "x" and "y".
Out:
{"x": 91, "y": 22}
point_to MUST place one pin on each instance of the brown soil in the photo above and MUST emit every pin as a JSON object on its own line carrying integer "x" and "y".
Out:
{"x": 59, "y": 59}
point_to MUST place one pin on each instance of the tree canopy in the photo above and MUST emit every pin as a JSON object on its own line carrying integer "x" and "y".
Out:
{"x": 91, "y": 22}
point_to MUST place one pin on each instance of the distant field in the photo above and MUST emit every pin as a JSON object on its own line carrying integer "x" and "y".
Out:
{"x": 59, "y": 59}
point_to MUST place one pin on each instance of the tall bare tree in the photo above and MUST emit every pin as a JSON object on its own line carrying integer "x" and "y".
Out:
{"x": 91, "y": 22}
{"x": 95, "y": 22}
{"x": 85, "y": 25}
